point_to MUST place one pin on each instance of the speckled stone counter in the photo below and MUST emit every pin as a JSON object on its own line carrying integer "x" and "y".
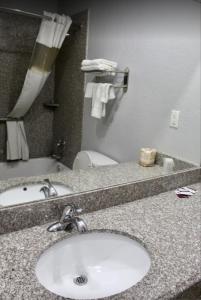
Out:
{"x": 101, "y": 177}
{"x": 86, "y": 180}
{"x": 167, "y": 225}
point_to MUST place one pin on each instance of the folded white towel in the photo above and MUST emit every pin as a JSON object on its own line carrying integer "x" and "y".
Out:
{"x": 100, "y": 93}
{"x": 99, "y": 61}
{"x": 98, "y": 67}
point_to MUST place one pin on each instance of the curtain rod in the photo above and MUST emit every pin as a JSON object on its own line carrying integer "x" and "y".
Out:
{"x": 22, "y": 12}
{"x": 29, "y": 14}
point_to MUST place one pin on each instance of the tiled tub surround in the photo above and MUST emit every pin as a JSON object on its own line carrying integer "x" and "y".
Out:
{"x": 18, "y": 35}
{"x": 167, "y": 225}
{"x": 69, "y": 90}
{"x": 39, "y": 212}
{"x": 64, "y": 86}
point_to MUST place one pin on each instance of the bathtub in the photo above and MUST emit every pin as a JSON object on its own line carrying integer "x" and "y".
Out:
{"x": 33, "y": 167}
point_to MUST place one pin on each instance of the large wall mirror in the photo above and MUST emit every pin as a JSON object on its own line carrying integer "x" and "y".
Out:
{"x": 111, "y": 105}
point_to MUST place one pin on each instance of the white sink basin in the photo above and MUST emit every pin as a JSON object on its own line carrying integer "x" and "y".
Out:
{"x": 92, "y": 265}
{"x": 29, "y": 192}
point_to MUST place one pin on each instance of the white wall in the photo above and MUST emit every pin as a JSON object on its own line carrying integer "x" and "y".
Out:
{"x": 160, "y": 43}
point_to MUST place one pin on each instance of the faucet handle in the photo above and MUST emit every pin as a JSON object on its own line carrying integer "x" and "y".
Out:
{"x": 69, "y": 212}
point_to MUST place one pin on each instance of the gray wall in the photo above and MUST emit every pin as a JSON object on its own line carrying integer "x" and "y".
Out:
{"x": 160, "y": 42}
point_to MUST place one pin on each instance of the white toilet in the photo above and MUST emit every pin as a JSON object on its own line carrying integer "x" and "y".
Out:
{"x": 90, "y": 159}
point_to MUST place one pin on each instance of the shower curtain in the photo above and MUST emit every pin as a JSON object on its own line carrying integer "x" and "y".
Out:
{"x": 49, "y": 40}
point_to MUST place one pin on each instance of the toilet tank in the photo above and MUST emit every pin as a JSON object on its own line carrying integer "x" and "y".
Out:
{"x": 91, "y": 159}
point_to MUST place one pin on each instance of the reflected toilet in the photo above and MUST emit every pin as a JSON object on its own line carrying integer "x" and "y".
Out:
{"x": 91, "y": 159}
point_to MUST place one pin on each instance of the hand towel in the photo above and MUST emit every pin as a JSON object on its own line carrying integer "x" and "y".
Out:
{"x": 107, "y": 93}
{"x": 97, "y": 106}
{"x": 89, "y": 89}
{"x": 100, "y": 93}
{"x": 17, "y": 147}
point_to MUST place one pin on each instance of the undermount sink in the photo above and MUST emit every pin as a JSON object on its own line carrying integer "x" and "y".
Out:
{"x": 92, "y": 265}
{"x": 29, "y": 192}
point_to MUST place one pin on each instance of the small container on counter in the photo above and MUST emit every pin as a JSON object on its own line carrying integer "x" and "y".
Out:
{"x": 168, "y": 165}
{"x": 147, "y": 157}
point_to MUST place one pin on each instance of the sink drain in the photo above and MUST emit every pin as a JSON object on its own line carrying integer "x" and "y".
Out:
{"x": 80, "y": 280}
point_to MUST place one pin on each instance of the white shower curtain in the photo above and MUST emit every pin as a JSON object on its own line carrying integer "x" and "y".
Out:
{"x": 49, "y": 40}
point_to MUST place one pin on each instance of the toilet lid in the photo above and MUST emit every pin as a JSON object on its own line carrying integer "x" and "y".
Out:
{"x": 90, "y": 159}
{"x": 98, "y": 159}
{"x": 82, "y": 161}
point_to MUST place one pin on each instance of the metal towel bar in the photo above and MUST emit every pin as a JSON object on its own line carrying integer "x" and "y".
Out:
{"x": 125, "y": 79}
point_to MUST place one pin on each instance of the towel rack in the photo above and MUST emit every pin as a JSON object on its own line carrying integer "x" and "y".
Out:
{"x": 125, "y": 79}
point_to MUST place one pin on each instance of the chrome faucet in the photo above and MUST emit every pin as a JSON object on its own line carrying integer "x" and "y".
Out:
{"x": 69, "y": 220}
{"x": 48, "y": 189}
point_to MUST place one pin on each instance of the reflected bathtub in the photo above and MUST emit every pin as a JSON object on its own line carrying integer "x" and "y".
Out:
{"x": 33, "y": 167}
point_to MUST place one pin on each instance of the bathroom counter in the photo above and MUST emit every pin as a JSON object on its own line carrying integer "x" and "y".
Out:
{"x": 101, "y": 177}
{"x": 86, "y": 180}
{"x": 167, "y": 225}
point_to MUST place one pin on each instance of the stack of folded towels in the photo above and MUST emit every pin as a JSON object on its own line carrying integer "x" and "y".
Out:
{"x": 98, "y": 65}
{"x": 100, "y": 93}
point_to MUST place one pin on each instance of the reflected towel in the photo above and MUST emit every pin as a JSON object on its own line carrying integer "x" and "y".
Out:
{"x": 89, "y": 89}
{"x": 17, "y": 147}
{"x": 98, "y": 67}
{"x": 99, "y": 61}
{"x": 100, "y": 93}
{"x": 97, "y": 110}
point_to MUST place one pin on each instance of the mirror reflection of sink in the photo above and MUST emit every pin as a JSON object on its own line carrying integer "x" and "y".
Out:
{"x": 92, "y": 265}
{"x": 29, "y": 192}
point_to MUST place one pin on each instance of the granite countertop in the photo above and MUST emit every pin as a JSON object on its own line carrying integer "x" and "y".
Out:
{"x": 167, "y": 225}
{"x": 95, "y": 178}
